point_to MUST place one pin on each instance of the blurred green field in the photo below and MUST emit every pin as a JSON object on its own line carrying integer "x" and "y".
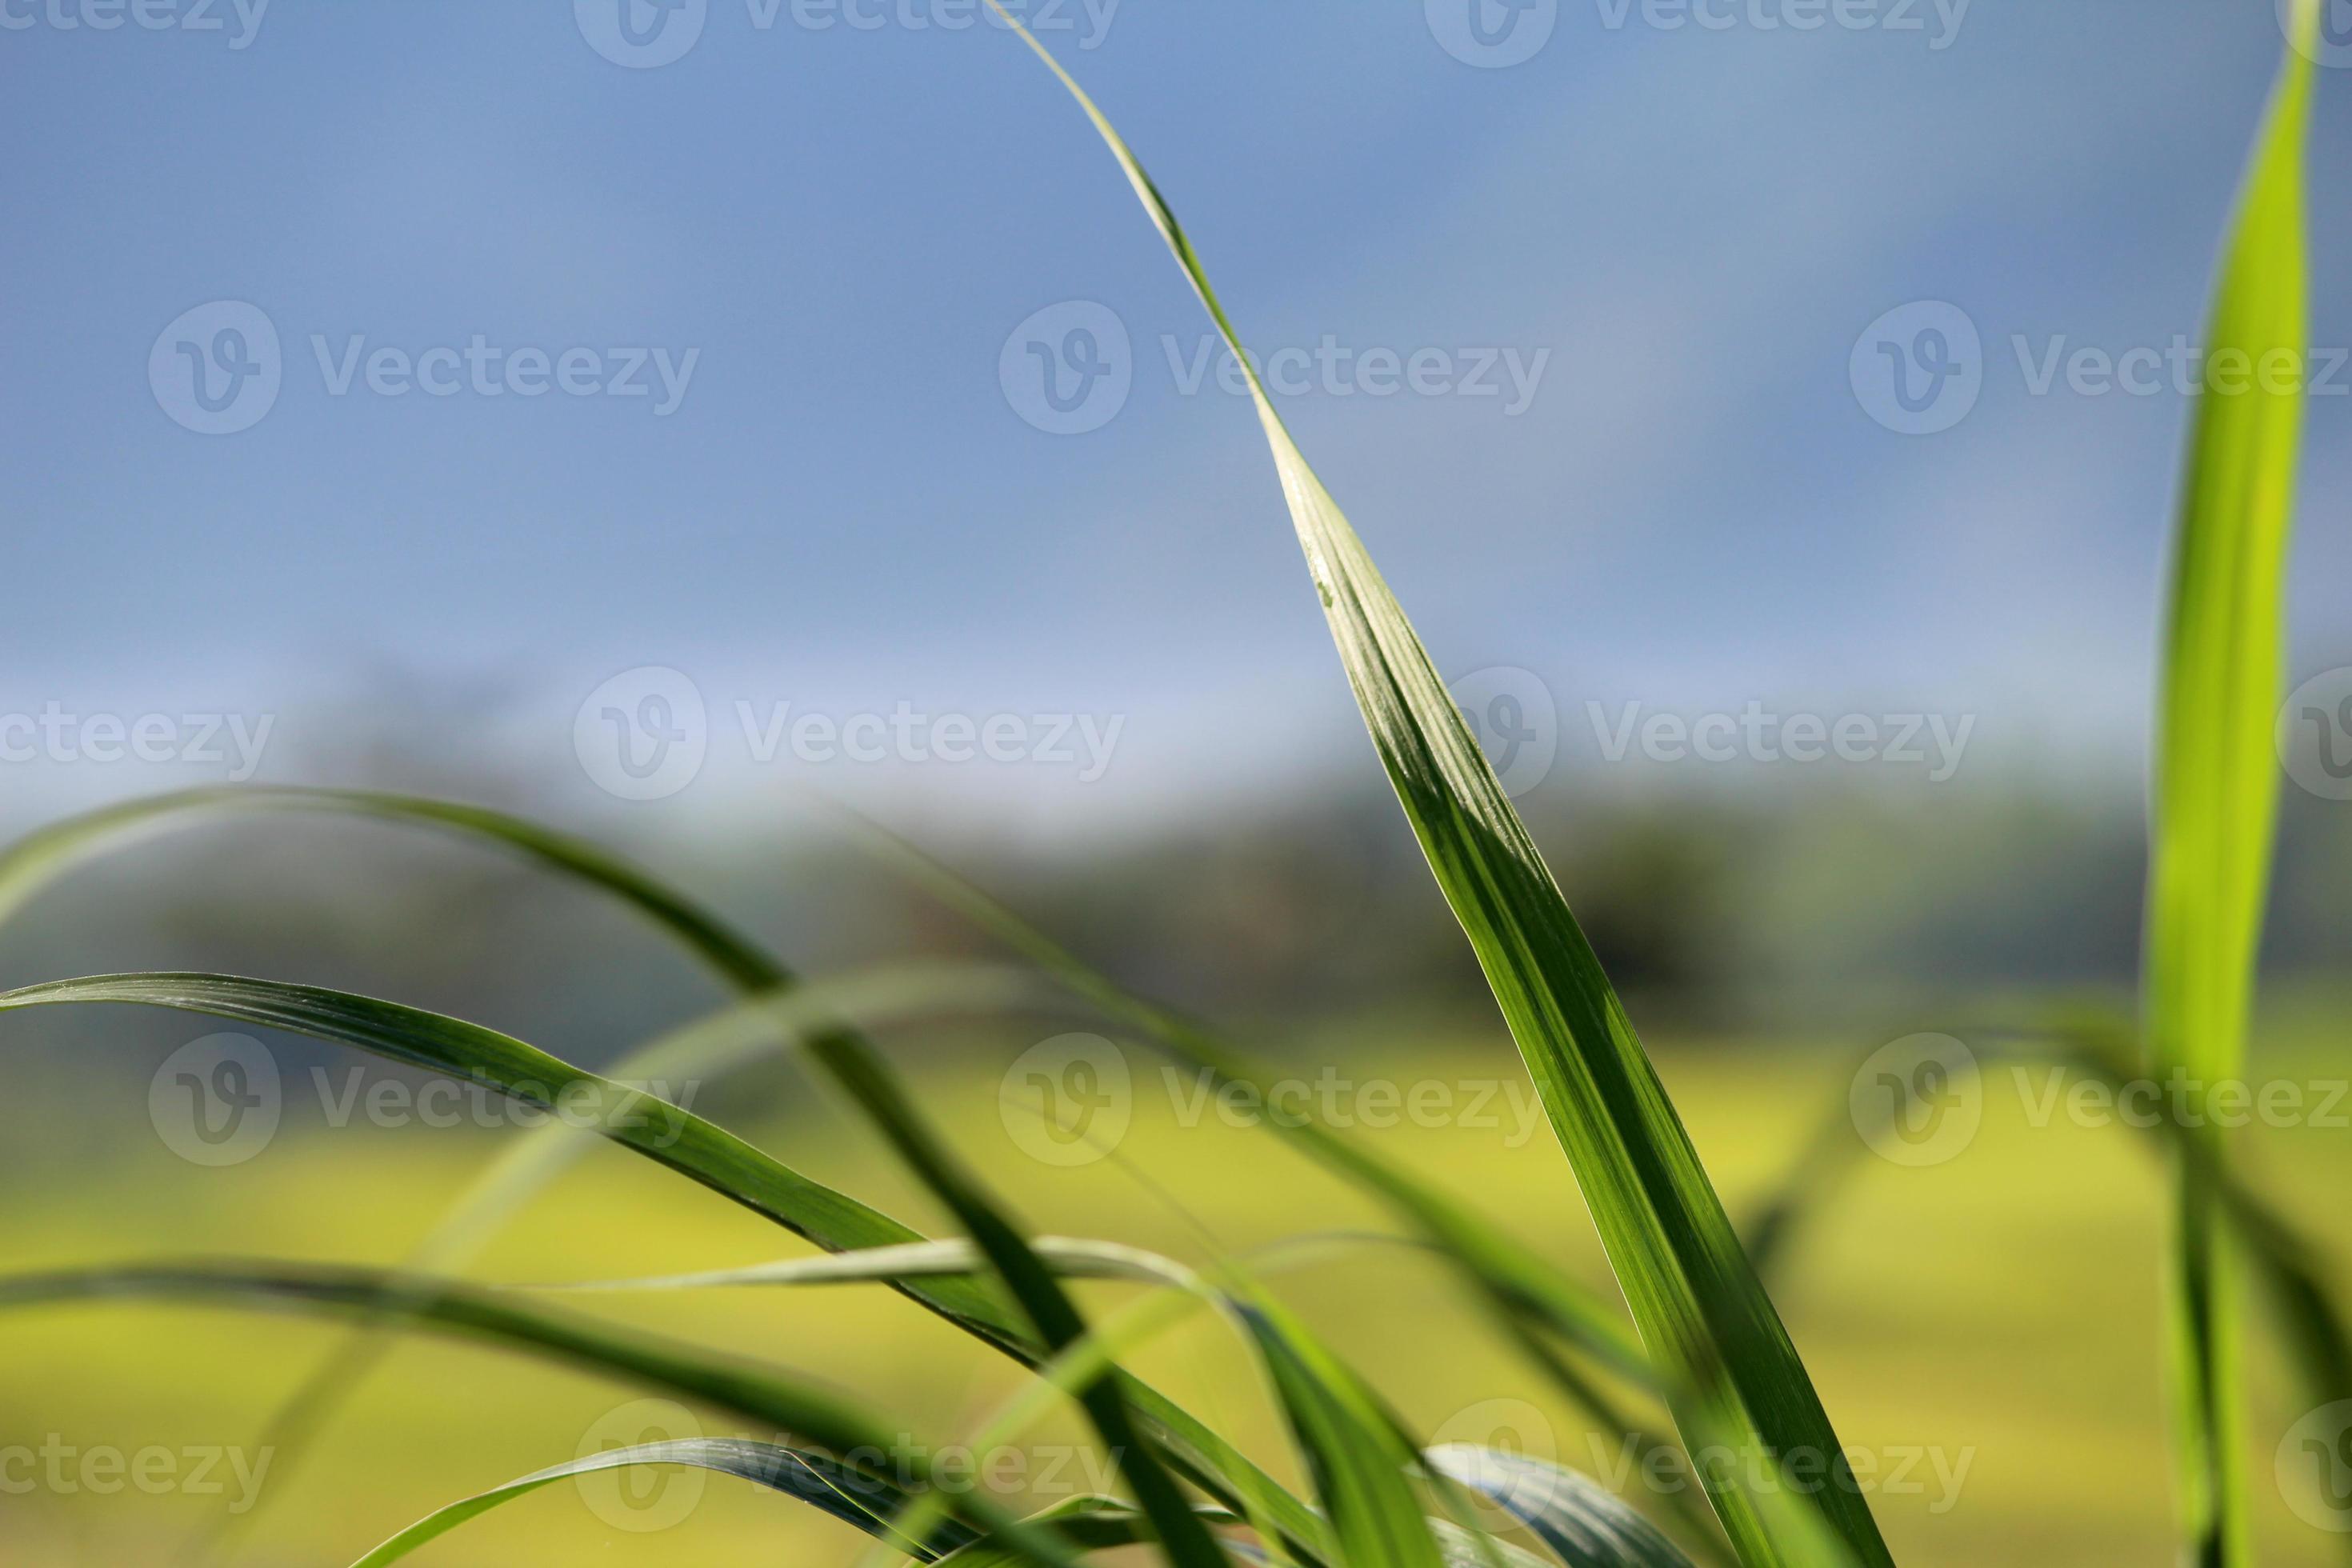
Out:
{"x": 2000, "y": 1310}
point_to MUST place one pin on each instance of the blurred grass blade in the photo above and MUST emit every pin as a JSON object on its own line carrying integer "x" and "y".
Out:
{"x": 1733, "y": 1372}
{"x": 2296, "y": 1280}
{"x": 1071, "y": 1258}
{"x": 675, "y": 1137}
{"x": 43, "y": 855}
{"x": 768, "y": 1395}
{"x": 1187, "y": 1541}
{"x": 34, "y": 862}
{"x": 2215, "y": 792}
{"x": 1517, "y": 1281}
{"x": 1358, "y": 1459}
{"x": 770, "y": 1023}
{"x": 1531, "y": 1299}
{"x": 814, "y": 1478}
{"x": 1584, "y": 1525}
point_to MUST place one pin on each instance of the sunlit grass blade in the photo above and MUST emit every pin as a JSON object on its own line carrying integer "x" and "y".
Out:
{"x": 677, "y": 1139}
{"x": 2215, "y": 790}
{"x": 815, "y": 1478}
{"x": 1706, "y": 1320}
{"x": 1584, "y": 1524}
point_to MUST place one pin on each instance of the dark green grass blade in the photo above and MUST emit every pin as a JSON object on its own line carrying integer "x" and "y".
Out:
{"x": 1701, "y": 1311}
{"x": 700, "y": 1150}
{"x": 1186, "y": 1540}
{"x": 2216, "y": 782}
{"x": 1584, "y": 1525}
{"x": 812, "y": 1478}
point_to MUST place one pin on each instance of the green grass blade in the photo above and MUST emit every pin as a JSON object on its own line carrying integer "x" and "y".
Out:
{"x": 1359, "y": 1458}
{"x": 678, "y": 1139}
{"x": 1187, "y": 1541}
{"x": 814, "y": 1478}
{"x": 1703, "y": 1315}
{"x": 2215, "y": 791}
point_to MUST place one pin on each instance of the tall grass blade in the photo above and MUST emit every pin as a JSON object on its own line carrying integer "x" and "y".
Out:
{"x": 2215, "y": 791}
{"x": 1701, "y": 1311}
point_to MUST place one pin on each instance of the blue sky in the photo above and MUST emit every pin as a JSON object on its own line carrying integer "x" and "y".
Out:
{"x": 845, "y": 510}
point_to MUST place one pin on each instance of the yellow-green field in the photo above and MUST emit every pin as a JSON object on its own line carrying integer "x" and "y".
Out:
{"x": 1999, "y": 1313}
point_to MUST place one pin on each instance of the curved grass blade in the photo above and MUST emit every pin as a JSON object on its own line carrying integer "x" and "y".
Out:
{"x": 34, "y": 862}
{"x": 814, "y": 1478}
{"x": 1701, "y": 1311}
{"x": 1584, "y": 1525}
{"x": 682, "y": 1141}
{"x": 2215, "y": 794}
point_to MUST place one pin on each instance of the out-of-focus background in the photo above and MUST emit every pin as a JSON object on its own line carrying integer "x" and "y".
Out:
{"x": 664, "y": 420}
